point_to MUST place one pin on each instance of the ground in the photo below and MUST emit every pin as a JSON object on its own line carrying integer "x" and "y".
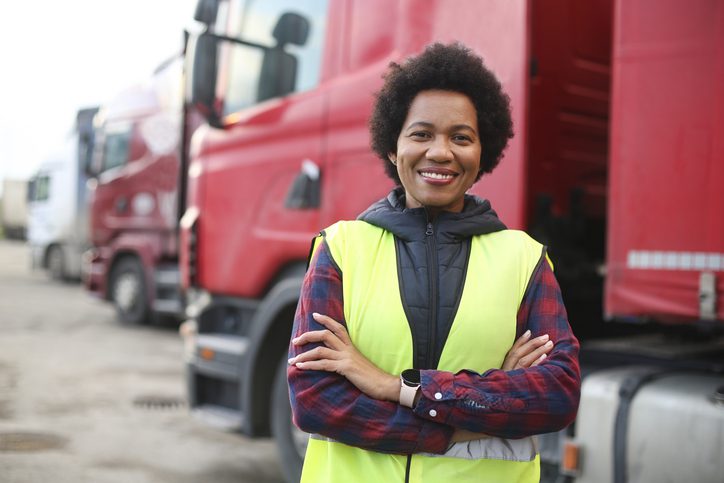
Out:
{"x": 86, "y": 399}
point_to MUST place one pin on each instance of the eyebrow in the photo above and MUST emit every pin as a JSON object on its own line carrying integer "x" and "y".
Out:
{"x": 430, "y": 125}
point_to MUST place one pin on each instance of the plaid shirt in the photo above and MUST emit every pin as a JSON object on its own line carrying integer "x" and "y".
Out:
{"x": 510, "y": 404}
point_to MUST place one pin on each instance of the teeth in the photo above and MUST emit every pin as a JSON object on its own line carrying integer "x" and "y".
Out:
{"x": 436, "y": 175}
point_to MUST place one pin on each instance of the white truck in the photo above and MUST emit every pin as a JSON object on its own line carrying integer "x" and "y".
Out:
{"x": 14, "y": 208}
{"x": 58, "y": 213}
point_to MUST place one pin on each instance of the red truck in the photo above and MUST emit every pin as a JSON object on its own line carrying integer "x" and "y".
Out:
{"x": 616, "y": 165}
{"x": 133, "y": 261}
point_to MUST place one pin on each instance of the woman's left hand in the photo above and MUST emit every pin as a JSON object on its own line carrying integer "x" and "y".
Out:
{"x": 339, "y": 355}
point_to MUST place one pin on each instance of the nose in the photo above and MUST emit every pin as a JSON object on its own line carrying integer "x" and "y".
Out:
{"x": 439, "y": 150}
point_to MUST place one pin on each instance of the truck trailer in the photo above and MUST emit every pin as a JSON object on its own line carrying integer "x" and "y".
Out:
{"x": 57, "y": 209}
{"x": 616, "y": 166}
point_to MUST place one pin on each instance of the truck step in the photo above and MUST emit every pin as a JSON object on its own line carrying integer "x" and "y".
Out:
{"x": 219, "y": 417}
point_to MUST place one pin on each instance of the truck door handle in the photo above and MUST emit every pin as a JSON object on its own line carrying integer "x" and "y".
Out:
{"x": 305, "y": 192}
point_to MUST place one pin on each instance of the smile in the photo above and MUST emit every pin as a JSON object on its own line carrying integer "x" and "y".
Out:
{"x": 440, "y": 176}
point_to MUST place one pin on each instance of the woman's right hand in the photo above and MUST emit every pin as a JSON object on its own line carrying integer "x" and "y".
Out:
{"x": 527, "y": 352}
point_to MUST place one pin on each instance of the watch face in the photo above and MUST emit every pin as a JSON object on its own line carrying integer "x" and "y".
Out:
{"x": 411, "y": 377}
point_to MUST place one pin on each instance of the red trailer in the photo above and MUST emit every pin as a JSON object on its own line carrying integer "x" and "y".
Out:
{"x": 615, "y": 166}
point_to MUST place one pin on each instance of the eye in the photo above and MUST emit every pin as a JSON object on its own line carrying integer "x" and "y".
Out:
{"x": 462, "y": 138}
{"x": 420, "y": 135}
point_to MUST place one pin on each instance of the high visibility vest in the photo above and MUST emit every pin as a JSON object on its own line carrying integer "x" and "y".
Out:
{"x": 500, "y": 267}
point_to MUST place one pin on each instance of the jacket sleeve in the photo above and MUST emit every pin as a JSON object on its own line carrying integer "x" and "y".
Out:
{"x": 328, "y": 404}
{"x": 521, "y": 402}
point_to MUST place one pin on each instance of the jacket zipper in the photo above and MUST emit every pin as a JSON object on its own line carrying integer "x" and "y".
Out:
{"x": 432, "y": 275}
{"x": 431, "y": 248}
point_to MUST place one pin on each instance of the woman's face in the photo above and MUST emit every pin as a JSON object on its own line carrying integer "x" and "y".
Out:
{"x": 438, "y": 151}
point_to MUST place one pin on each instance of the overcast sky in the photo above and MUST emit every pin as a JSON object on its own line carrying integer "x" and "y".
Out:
{"x": 61, "y": 55}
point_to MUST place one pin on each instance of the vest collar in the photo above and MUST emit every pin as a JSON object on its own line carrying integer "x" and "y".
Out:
{"x": 390, "y": 213}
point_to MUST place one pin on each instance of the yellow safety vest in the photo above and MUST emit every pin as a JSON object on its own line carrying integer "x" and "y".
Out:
{"x": 500, "y": 266}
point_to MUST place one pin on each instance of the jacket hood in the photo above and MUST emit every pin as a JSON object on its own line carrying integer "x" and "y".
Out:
{"x": 390, "y": 213}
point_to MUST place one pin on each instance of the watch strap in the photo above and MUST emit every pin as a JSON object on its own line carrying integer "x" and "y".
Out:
{"x": 408, "y": 393}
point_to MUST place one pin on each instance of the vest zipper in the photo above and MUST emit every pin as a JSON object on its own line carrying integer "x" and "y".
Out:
{"x": 430, "y": 246}
{"x": 432, "y": 274}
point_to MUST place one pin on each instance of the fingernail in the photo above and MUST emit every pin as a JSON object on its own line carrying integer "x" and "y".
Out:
{"x": 526, "y": 334}
{"x": 543, "y": 356}
{"x": 544, "y": 337}
{"x": 294, "y": 340}
{"x": 549, "y": 343}
{"x": 315, "y": 314}
{"x": 291, "y": 360}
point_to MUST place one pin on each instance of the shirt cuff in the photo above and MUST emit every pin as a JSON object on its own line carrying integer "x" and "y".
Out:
{"x": 436, "y": 388}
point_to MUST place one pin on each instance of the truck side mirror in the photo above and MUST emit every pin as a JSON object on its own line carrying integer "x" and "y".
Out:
{"x": 206, "y": 11}
{"x": 203, "y": 76}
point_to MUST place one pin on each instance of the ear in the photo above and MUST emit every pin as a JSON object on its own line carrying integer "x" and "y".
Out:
{"x": 393, "y": 158}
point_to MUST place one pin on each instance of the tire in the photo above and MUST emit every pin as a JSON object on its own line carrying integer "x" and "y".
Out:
{"x": 127, "y": 290}
{"x": 56, "y": 263}
{"x": 291, "y": 441}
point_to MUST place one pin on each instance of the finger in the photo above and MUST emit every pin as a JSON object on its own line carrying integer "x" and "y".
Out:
{"x": 528, "y": 360}
{"x": 315, "y": 354}
{"x": 324, "y": 336}
{"x": 532, "y": 345}
{"x": 517, "y": 353}
{"x": 521, "y": 340}
{"x": 539, "y": 360}
{"x": 320, "y": 365}
{"x": 335, "y": 327}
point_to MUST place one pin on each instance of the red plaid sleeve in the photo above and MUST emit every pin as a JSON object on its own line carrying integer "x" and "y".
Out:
{"x": 328, "y": 404}
{"x": 517, "y": 403}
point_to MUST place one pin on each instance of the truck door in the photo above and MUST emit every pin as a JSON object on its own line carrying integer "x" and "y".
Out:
{"x": 666, "y": 229}
{"x": 260, "y": 193}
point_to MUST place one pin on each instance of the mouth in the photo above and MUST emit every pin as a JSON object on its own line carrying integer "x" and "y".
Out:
{"x": 437, "y": 175}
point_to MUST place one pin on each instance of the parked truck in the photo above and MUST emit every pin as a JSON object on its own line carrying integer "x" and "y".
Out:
{"x": 57, "y": 212}
{"x": 133, "y": 260}
{"x": 14, "y": 208}
{"x": 616, "y": 165}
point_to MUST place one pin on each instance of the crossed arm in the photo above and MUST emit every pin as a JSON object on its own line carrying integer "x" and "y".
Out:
{"x": 337, "y": 392}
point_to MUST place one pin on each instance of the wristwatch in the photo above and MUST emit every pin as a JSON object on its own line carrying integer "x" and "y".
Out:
{"x": 409, "y": 386}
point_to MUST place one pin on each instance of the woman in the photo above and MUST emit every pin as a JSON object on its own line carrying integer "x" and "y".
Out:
{"x": 423, "y": 340}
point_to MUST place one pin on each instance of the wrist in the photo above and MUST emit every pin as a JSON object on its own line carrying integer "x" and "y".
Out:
{"x": 409, "y": 387}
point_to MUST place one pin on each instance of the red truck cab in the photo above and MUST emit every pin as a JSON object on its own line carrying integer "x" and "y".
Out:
{"x": 133, "y": 261}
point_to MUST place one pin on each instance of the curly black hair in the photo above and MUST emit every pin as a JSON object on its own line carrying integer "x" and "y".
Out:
{"x": 451, "y": 67}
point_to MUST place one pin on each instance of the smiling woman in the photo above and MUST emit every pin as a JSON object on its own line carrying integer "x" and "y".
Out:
{"x": 430, "y": 341}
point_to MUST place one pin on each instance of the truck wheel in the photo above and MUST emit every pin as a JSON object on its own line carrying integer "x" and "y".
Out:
{"x": 55, "y": 263}
{"x": 128, "y": 292}
{"x": 291, "y": 441}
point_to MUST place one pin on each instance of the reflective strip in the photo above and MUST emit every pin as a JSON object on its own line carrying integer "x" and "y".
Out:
{"x": 492, "y": 448}
{"x": 655, "y": 260}
{"x": 523, "y": 450}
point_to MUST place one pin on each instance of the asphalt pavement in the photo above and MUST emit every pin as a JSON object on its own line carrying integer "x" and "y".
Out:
{"x": 84, "y": 398}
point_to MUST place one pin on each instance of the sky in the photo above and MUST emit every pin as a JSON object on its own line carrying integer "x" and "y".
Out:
{"x": 58, "y": 56}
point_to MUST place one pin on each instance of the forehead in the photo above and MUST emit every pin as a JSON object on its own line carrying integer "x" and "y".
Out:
{"x": 438, "y": 107}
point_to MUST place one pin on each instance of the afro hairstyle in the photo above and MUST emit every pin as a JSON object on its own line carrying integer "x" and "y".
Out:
{"x": 452, "y": 67}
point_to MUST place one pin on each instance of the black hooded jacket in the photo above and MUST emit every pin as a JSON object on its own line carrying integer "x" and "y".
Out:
{"x": 432, "y": 263}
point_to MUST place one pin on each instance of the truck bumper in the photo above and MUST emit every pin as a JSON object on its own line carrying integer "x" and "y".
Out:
{"x": 213, "y": 376}
{"x": 94, "y": 268}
